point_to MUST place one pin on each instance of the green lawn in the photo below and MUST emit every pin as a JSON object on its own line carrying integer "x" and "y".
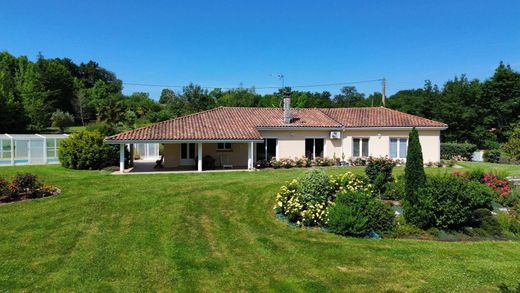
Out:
{"x": 215, "y": 232}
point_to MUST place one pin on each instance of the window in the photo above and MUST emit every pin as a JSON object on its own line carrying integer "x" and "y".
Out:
{"x": 5, "y": 149}
{"x": 51, "y": 148}
{"x": 187, "y": 151}
{"x": 266, "y": 150}
{"x": 224, "y": 146}
{"x": 398, "y": 148}
{"x": 360, "y": 147}
{"x": 314, "y": 147}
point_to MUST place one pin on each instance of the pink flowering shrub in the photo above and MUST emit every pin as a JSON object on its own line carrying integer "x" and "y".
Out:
{"x": 499, "y": 185}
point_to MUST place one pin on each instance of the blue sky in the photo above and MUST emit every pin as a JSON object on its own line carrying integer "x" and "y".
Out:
{"x": 228, "y": 43}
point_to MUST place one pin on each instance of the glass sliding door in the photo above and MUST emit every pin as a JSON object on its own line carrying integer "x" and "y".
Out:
{"x": 266, "y": 150}
{"x": 188, "y": 154}
{"x": 314, "y": 147}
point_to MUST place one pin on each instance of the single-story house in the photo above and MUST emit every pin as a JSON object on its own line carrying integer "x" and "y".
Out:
{"x": 240, "y": 136}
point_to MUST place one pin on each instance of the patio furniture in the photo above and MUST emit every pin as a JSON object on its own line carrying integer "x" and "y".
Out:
{"x": 225, "y": 162}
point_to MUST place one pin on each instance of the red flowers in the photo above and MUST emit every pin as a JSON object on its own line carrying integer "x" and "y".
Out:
{"x": 501, "y": 186}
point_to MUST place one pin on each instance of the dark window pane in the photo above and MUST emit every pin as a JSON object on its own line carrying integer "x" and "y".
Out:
{"x": 227, "y": 145}
{"x": 184, "y": 151}
{"x": 309, "y": 147}
{"x": 192, "y": 151}
{"x": 403, "y": 148}
{"x": 318, "y": 144}
{"x": 355, "y": 149}
{"x": 393, "y": 148}
{"x": 364, "y": 147}
{"x": 271, "y": 148}
{"x": 260, "y": 151}
{"x": 220, "y": 146}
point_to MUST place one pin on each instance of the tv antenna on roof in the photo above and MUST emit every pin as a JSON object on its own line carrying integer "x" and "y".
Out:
{"x": 281, "y": 77}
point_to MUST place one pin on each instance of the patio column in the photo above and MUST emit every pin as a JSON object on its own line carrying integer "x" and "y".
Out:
{"x": 199, "y": 157}
{"x": 121, "y": 158}
{"x": 250, "y": 156}
{"x": 132, "y": 154}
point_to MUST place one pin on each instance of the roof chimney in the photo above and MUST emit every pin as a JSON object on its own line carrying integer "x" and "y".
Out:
{"x": 287, "y": 107}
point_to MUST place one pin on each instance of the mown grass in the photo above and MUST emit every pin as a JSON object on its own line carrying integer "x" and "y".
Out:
{"x": 215, "y": 232}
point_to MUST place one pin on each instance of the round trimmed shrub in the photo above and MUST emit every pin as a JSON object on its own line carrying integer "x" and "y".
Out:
{"x": 447, "y": 202}
{"x": 315, "y": 184}
{"x": 492, "y": 156}
{"x": 87, "y": 150}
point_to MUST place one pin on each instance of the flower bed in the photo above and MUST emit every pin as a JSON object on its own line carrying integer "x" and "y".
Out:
{"x": 302, "y": 162}
{"x": 342, "y": 204}
{"x": 24, "y": 186}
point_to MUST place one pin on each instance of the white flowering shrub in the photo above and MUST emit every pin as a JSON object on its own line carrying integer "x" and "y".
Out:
{"x": 350, "y": 182}
{"x": 305, "y": 201}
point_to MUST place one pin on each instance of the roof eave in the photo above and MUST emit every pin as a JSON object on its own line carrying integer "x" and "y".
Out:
{"x": 121, "y": 141}
{"x": 395, "y": 127}
{"x": 299, "y": 127}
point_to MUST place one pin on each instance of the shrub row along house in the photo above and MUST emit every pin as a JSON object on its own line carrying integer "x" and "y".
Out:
{"x": 239, "y": 136}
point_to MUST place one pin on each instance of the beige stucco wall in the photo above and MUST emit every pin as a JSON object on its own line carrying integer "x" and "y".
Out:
{"x": 172, "y": 155}
{"x": 237, "y": 156}
{"x": 291, "y": 143}
{"x": 379, "y": 142}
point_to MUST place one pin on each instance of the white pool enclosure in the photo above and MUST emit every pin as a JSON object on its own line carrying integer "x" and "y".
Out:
{"x": 26, "y": 149}
{"x": 33, "y": 149}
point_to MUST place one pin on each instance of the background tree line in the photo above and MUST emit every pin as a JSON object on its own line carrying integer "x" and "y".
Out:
{"x": 33, "y": 95}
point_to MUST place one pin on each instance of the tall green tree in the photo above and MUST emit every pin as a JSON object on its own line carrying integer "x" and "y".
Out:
{"x": 512, "y": 146}
{"x": 167, "y": 96}
{"x": 414, "y": 175}
{"x": 61, "y": 120}
{"x": 12, "y": 116}
{"x": 350, "y": 97}
{"x": 500, "y": 101}
{"x": 196, "y": 98}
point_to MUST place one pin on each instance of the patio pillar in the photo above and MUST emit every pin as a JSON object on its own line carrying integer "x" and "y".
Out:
{"x": 121, "y": 158}
{"x": 250, "y": 156}
{"x": 199, "y": 157}
{"x": 132, "y": 154}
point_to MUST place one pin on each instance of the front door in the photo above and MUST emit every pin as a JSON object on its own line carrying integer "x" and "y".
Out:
{"x": 187, "y": 154}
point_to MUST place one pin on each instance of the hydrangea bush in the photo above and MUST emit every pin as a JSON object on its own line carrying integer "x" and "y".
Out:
{"x": 305, "y": 201}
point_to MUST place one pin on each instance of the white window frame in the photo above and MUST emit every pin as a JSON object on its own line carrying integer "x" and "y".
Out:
{"x": 314, "y": 145}
{"x": 360, "y": 146}
{"x": 398, "y": 147}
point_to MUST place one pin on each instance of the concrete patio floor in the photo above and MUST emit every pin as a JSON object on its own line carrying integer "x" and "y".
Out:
{"x": 147, "y": 167}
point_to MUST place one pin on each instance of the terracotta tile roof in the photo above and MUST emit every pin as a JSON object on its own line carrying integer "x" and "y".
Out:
{"x": 241, "y": 123}
{"x": 378, "y": 117}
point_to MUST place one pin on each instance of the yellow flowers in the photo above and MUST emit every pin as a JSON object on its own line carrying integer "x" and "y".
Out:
{"x": 312, "y": 209}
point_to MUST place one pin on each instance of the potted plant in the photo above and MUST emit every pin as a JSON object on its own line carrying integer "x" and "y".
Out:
{"x": 336, "y": 160}
{"x": 343, "y": 162}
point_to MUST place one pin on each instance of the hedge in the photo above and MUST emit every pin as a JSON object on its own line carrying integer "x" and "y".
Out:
{"x": 453, "y": 150}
